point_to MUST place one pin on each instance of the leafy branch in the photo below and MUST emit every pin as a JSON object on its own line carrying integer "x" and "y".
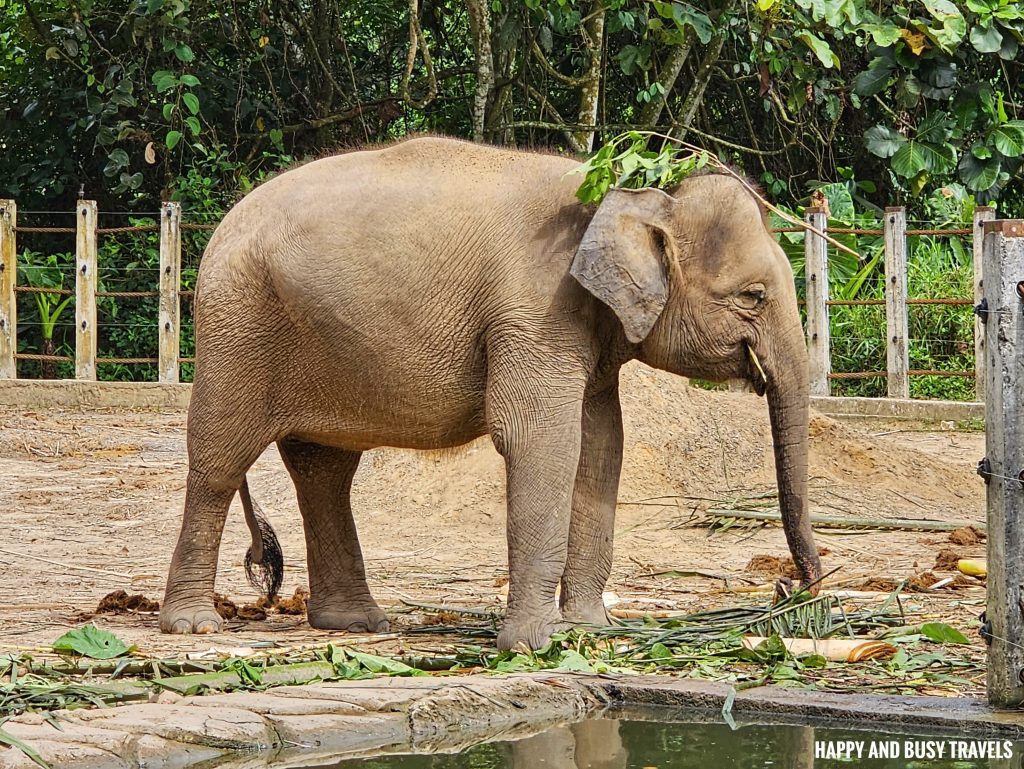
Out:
{"x": 635, "y": 167}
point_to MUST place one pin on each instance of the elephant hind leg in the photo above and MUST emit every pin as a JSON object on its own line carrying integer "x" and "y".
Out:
{"x": 188, "y": 600}
{"x": 222, "y": 444}
{"x": 339, "y": 598}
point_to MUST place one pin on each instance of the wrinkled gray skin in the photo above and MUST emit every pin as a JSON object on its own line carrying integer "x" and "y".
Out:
{"x": 425, "y": 294}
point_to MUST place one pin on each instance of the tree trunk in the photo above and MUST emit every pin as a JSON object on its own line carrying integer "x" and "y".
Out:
{"x": 590, "y": 91}
{"x": 480, "y": 24}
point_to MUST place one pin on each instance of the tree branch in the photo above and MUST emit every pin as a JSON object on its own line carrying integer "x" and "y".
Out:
{"x": 667, "y": 76}
{"x": 417, "y": 41}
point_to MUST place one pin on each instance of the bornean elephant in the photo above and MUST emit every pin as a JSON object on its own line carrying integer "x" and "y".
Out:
{"x": 433, "y": 291}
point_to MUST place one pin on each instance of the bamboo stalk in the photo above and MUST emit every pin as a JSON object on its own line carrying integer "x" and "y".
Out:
{"x": 850, "y": 522}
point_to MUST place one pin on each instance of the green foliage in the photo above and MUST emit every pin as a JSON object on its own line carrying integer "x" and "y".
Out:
{"x": 10, "y": 740}
{"x": 625, "y": 162}
{"x": 943, "y": 633}
{"x": 91, "y": 641}
{"x": 143, "y": 101}
{"x": 39, "y": 271}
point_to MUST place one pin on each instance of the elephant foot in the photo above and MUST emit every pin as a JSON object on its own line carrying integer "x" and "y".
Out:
{"x": 362, "y": 619}
{"x": 586, "y": 613}
{"x": 531, "y": 634}
{"x": 199, "y": 617}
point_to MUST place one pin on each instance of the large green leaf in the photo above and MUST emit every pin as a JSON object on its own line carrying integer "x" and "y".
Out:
{"x": 874, "y": 79}
{"x": 883, "y": 141}
{"x": 916, "y": 156}
{"x": 936, "y": 128}
{"x": 977, "y": 173}
{"x": 884, "y": 34}
{"x": 1009, "y": 138}
{"x": 840, "y": 202}
{"x": 938, "y": 78}
{"x": 986, "y": 38}
{"x": 1008, "y": 50}
{"x": 376, "y": 664}
{"x": 821, "y": 49}
{"x": 954, "y": 25}
{"x": 91, "y": 641}
{"x": 685, "y": 15}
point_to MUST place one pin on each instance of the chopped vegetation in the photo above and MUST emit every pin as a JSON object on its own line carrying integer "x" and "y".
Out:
{"x": 82, "y": 669}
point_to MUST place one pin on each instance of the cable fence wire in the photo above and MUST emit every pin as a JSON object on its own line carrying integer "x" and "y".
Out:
{"x": 192, "y": 247}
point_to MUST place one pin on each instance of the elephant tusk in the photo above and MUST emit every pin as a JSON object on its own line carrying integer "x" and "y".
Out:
{"x": 757, "y": 364}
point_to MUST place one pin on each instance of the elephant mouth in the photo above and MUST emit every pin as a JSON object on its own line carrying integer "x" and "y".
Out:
{"x": 756, "y": 374}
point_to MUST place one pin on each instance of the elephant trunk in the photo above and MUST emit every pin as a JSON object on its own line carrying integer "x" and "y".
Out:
{"x": 789, "y": 408}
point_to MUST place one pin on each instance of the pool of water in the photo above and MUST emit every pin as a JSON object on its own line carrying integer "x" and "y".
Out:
{"x": 631, "y": 743}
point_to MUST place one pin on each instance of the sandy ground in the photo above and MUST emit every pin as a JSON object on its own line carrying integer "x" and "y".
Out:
{"x": 92, "y": 501}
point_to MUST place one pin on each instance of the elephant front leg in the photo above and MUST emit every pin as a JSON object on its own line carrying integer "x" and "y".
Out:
{"x": 589, "y": 559}
{"x": 339, "y": 597}
{"x": 539, "y": 437}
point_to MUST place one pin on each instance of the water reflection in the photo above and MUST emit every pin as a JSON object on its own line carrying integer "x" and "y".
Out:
{"x": 610, "y": 743}
{"x": 584, "y": 745}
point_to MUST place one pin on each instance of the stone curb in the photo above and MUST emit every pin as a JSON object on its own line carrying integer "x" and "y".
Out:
{"x": 299, "y": 725}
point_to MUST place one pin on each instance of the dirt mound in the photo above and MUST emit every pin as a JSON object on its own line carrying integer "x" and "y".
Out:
{"x": 770, "y": 564}
{"x": 119, "y": 602}
{"x": 947, "y": 559}
{"x": 683, "y": 445}
{"x": 968, "y": 535}
{"x": 922, "y": 581}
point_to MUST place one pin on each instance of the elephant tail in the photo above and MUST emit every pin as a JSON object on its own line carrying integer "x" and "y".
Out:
{"x": 264, "y": 562}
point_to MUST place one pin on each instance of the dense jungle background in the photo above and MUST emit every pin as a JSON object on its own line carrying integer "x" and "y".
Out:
{"x": 867, "y": 104}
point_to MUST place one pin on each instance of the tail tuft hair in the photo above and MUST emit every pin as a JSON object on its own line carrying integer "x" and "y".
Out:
{"x": 267, "y": 575}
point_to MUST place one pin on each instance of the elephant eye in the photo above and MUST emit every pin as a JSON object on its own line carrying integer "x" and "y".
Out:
{"x": 751, "y": 297}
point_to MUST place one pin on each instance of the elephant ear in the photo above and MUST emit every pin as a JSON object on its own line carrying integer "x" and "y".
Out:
{"x": 621, "y": 259}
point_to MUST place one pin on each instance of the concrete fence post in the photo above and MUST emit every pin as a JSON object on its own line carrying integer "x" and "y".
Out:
{"x": 170, "y": 285}
{"x": 897, "y": 354}
{"x": 982, "y": 214}
{"x": 8, "y": 280}
{"x": 1003, "y": 466}
{"x": 816, "y": 292}
{"x": 86, "y": 279}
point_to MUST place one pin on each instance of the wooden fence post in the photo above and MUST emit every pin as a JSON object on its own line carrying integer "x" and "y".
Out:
{"x": 170, "y": 285}
{"x": 896, "y": 317}
{"x": 816, "y": 292}
{"x": 8, "y": 280}
{"x": 982, "y": 214}
{"x": 1003, "y": 466}
{"x": 85, "y": 290}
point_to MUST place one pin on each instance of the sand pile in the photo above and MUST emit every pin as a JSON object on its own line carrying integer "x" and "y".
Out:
{"x": 680, "y": 442}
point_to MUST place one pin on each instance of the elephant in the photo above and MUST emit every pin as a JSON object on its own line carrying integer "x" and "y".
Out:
{"x": 433, "y": 291}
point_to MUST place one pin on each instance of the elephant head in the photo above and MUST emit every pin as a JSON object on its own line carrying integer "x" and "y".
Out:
{"x": 703, "y": 290}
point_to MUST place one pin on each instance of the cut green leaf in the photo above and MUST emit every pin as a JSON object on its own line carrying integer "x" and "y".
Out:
{"x": 91, "y": 641}
{"x": 943, "y": 633}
